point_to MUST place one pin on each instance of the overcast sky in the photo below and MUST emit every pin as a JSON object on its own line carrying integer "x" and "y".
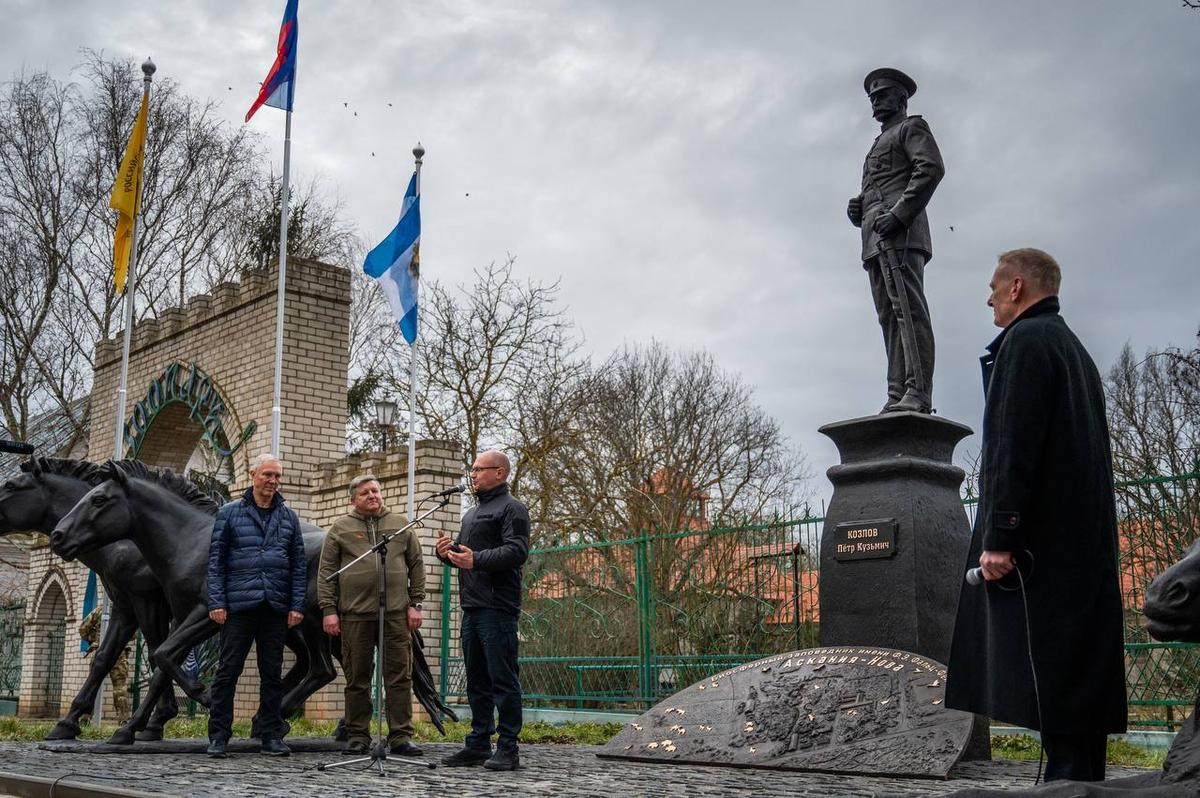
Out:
{"x": 684, "y": 167}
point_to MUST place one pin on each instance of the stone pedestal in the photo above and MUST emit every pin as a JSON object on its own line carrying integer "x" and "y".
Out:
{"x": 895, "y": 467}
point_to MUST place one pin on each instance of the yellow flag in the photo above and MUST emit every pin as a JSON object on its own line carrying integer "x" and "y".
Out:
{"x": 126, "y": 197}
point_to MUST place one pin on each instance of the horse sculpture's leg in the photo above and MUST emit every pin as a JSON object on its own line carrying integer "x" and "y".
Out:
{"x": 320, "y": 671}
{"x": 119, "y": 632}
{"x": 195, "y": 629}
{"x": 155, "y": 624}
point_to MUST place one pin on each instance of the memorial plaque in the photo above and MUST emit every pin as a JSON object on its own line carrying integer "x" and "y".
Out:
{"x": 865, "y": 540}
{"x": 875, "y": 711}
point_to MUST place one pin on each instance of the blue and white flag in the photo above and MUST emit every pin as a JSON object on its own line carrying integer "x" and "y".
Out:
{"x": 396, "y": 263}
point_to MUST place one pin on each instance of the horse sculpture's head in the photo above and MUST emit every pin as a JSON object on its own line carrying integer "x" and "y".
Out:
{"x": 1172, "y": 607}
{"x": 101, "y": 517}
{"x": 45, "y": 490}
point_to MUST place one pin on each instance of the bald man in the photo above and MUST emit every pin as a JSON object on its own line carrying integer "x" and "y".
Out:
{"x": 489, "y": 552}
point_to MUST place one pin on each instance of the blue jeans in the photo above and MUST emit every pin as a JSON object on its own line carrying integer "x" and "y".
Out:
{"x": 265, "y": 628}
{"x": 489, "y": 644}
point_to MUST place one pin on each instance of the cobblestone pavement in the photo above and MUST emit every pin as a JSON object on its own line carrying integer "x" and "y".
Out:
{"x": 547, "y": 770}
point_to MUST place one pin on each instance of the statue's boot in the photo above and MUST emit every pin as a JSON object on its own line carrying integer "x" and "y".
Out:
{"x": 912, "y": 402}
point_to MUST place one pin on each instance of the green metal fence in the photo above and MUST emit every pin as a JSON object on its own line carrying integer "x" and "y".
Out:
{"x": 12, "y": 631}
{"x": 621, "y": 624}
{"x": 624, "y": 623}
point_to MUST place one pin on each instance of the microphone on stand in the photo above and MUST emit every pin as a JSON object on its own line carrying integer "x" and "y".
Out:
{"x": 449, "y": 491}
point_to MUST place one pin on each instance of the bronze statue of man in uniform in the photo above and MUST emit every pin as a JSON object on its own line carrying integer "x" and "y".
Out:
{"x": 900, "y": 174}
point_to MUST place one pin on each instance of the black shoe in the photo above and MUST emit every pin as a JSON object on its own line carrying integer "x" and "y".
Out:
{"x": 503, "y": 760}
{"x": 406, "y": 748}
{"x": 356, "y": 747}
{"x": 216, "y": 749}
{"x": 274, "y": 747}
{"x": 467, "y": 757}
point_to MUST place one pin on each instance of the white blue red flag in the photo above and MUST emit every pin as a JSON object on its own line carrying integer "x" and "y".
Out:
{"x": 280, "y": 83}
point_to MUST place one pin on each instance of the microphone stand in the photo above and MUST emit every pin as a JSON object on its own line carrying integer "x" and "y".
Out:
{"x": 378, "y": 753}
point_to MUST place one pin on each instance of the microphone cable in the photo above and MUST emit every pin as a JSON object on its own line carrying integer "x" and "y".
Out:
{"x": 1037, "y": 696}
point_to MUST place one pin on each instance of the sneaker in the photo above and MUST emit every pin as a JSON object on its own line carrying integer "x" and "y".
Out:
{"x": 216, "y": 749}
{"x": 274, "y": 747}
{"x": 503, "y": 760}
{"x": 406, "y": 748}
{"x": 467, "y": 757}
{"x": 356, "y": 747}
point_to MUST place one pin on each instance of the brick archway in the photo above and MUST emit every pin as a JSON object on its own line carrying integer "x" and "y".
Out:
{"x": 44, "y": 648}
{"x": 171, "y": 438}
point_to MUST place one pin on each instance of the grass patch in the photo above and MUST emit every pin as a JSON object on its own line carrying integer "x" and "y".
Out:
{"x": 1120, "y": 752}
{"x": 22, "y": 730}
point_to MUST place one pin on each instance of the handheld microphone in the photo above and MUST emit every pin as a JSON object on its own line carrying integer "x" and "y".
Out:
{"x": 1022, "y": 561}
{"x": 449, "y": 491}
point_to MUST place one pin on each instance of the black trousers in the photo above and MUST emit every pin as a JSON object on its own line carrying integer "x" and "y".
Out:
{"x": 1078, "y": 757}
{"x": 266, "y": 629}
{"x": 489, "y": 644}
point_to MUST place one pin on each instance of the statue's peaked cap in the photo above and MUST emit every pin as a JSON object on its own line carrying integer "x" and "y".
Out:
{"x": 885, "y": 77}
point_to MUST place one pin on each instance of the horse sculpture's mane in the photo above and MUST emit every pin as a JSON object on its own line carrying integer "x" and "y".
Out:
{"x": 165, "y": 478}
{"x": 79, "y": 469}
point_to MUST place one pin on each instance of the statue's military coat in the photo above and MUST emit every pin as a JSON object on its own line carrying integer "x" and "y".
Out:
{"x": 1046, "y": 486}
{"x": 900, "y": 174}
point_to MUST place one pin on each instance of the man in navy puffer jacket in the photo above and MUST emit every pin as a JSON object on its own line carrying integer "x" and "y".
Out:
{"x": 257, "y": 577}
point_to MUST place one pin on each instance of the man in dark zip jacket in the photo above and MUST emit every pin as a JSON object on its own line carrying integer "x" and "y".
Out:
{"x": 489, "y": 553}
{"x": 1046, "y": 507}
{"x": 257, "y": 578}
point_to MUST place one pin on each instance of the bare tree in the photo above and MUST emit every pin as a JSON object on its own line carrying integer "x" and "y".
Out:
{"x": 654, "y": 439}
{"x": 42, "y": 215}
{"x": 483, "y": 349}
{"x": 208, "y": 211}
{"x": 1154, "y": 419}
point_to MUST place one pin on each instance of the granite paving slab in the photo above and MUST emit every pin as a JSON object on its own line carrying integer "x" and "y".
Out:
{"x": 548, "y": 771}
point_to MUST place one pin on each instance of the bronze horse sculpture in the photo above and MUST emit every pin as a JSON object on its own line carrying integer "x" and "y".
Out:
{"x": 36, "y": 500}
{"x": 170, "y": 521}
{"x": 1172, "y": 612}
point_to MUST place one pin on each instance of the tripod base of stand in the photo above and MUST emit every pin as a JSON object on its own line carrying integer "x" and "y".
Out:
{"x": 377, "y": 756}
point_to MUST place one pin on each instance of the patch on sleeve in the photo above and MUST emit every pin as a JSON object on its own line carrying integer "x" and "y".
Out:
{"x": 521, "y": 525}
{"x": 1006, "y": 519}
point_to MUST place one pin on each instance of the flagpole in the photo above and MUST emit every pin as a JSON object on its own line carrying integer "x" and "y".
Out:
{"x": 148, "y": 70}
{"x": 418, "y": 154}
{"x": 276, "y": 402}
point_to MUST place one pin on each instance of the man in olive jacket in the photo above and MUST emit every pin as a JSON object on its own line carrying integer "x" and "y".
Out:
{"x": 489, "y": 553}
{"x": 350, "y": 604}
{"x": 1046, "y": 507}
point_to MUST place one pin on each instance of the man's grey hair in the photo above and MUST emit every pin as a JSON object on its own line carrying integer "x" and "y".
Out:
{"x": 361, "y": 480}
{"x": 265, "y": 457}
{"x": 1038, "y": 268}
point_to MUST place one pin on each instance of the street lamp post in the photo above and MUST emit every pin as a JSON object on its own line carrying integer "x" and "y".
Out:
{"x": 385, "y": 419}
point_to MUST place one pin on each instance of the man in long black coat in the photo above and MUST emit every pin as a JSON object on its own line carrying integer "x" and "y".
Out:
{"x": 1046, "y": 507}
